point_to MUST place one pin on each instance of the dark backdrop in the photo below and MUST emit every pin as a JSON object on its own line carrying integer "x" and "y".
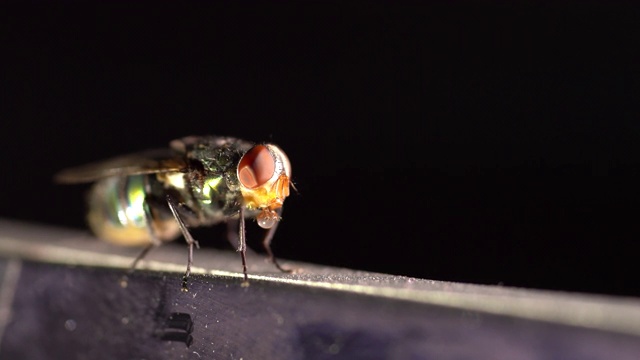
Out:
{"x": 479, "y": 142}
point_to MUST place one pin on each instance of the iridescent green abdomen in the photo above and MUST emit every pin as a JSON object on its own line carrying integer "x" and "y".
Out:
{"x": 118, "y": 212}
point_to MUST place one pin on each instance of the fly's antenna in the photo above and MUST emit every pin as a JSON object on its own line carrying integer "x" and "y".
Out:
{"x": 294, "y": 187}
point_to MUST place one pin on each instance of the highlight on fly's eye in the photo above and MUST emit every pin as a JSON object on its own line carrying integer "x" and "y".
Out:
{"x": 256, "y": 167}
{"x": 267, "y": 219}
{"x": 282, "y": 161}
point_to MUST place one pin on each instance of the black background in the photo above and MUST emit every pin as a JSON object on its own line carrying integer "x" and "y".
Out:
{"x": 478, "y": 142}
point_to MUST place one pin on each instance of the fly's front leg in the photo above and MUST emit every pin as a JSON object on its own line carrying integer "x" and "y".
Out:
{"x": 242, "y": 246}
{"x": 173, "y": 205}
{"x": 266, "y": 243}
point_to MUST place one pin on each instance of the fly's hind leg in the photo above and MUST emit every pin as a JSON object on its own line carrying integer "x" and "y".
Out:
{"x": 191, "y": 242}
{"x": 266, "y": 244}
{"x": 236, "y": 235}
{"x": 155, "y": 242}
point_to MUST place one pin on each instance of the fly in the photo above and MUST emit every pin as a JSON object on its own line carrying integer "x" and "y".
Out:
{"x": 148, "y": 198}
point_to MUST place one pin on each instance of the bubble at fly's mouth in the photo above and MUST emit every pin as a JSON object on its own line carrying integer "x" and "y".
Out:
{"x": 267, "y": 219}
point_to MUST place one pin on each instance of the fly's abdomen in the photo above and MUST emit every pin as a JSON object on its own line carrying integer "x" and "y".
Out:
{"x": 117, "y": 213}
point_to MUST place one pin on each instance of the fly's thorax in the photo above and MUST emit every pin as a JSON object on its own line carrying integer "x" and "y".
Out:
{"x": 214, "y": 190}
{"x": 118, "y": 209}
{"x": 219, "y": 197}
{"x": 206, "y": 197}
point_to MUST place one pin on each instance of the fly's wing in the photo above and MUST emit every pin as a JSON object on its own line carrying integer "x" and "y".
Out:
{"x": 146, "y": 162}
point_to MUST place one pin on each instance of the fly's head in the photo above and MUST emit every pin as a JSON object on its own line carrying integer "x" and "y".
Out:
{"x": 264, "y": 174}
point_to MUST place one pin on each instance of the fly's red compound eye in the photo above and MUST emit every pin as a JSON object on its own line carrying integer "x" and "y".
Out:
{"x": 256, "y": 167}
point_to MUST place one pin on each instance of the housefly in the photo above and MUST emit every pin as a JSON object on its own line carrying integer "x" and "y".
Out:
{"x": 151, "y": 197}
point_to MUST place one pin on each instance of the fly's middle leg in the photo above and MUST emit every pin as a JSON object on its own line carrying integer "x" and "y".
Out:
{"x": 191, "y": 242}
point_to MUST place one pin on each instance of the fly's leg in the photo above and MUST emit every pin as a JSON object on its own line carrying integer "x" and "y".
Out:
{"x": 155, "y": 242}
{"x": 266, "y": 243}
{"x": 242, "y": 247}
{"x": 233, "y": 233}
{"x": 187, "y": 236}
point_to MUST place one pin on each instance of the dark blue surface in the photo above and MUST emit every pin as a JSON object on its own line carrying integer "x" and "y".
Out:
{"x": 76, "y": 312}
